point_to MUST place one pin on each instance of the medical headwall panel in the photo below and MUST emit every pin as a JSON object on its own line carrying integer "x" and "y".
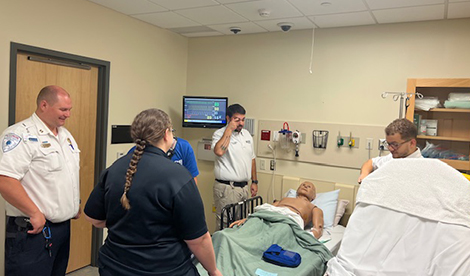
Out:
{"x": 338, "y": 145}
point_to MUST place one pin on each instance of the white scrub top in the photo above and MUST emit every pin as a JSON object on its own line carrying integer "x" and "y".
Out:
{"x": 46, "y": 165}
{"x": 235, "y": 164}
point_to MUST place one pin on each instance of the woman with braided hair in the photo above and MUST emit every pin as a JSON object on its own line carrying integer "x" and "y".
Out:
{"x": 151, "y": 207}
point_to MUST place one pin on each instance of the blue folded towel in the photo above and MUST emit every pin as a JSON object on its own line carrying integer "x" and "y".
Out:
{"x": 276, "y": 255}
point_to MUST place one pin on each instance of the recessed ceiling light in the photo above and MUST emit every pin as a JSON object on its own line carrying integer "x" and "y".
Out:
{"x": 325, "y": 4}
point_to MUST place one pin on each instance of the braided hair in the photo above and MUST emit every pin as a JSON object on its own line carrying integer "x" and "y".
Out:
{"x": 149, "y": 127}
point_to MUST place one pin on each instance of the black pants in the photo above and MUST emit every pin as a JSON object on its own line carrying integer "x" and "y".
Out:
{"x": 26, "y": 254}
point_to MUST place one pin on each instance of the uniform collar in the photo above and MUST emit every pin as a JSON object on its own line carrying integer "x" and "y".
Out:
{"x": 41, "y": 126}
{"x": 153, "y": 149}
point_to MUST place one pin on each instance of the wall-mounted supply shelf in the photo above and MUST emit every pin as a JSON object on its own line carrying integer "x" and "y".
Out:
{"x": 453, "y": 125}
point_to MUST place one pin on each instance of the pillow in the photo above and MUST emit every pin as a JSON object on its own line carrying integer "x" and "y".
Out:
{"x": 342, "y": 203}
{"x": 326, "y": 201}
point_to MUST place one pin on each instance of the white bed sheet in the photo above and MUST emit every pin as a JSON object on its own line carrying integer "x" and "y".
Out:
{"x": 332, "y": 237}
{"x": 380, "y": 241}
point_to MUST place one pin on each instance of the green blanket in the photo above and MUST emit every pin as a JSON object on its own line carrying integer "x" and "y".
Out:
{"x": 239, "y": 250}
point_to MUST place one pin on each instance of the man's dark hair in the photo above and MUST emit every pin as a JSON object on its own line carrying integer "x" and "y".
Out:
{"x": 404, "y": 127}
{"x": 235, "y": 108}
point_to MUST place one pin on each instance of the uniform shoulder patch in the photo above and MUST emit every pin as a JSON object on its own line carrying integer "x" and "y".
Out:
{"x": 10, "y": 141}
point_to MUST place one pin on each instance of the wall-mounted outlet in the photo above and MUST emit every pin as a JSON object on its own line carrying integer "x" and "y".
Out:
{"x": 382, "y": 144}
{"x": 262, "y": 165}
{"x": 272, "y": 165}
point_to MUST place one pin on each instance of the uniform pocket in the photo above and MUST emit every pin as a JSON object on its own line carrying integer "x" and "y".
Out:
{"x": 51, "y": 159}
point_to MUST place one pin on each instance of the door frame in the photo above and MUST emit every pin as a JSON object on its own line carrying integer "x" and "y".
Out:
{"x": 101, "y": 112}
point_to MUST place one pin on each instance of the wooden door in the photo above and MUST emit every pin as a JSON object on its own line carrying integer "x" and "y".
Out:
{"x": 82, "y": 84}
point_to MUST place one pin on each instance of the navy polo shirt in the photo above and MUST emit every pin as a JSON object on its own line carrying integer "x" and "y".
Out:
{"x": 166, "y": 209}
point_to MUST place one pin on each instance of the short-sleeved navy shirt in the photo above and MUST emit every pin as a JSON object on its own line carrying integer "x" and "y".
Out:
{"x": 166, "y": 209}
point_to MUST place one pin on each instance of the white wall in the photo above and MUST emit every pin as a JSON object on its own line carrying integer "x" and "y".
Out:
{"x": 269, "y": 75}
{"x": 148, "y": 64}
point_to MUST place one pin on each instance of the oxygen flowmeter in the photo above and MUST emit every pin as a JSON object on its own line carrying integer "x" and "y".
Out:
{"x": 286, "y": 136}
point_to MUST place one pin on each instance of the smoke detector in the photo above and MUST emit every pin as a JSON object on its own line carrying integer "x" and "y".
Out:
{"x": 264, "y": 12}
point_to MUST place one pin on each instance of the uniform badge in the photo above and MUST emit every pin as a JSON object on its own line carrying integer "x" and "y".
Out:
{"x": 28, "y": 137}
{"x": 10, "y": 141}
{"x": 70, "y": 144}
{"x": 45, "y": 144}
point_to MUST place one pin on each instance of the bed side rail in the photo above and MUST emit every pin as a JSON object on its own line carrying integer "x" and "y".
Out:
{"x": 240, "y": 210}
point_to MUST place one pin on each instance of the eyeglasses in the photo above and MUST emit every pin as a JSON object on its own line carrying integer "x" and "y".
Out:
{"x": 395, "y": 146}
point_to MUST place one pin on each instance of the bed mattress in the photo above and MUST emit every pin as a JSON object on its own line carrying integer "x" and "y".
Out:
{"x": 332, "y": 238}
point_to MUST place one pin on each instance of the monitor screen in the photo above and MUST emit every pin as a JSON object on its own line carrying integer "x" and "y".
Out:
{"x": 205, "y": 112}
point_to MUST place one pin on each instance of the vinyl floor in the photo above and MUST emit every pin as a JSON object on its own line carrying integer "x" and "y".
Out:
{"x": 86, "y": 271}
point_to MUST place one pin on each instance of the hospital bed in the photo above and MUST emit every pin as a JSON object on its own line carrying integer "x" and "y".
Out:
{"x": 239, "y": 210}
{"x": 332, "y": 236}
{"x": 239, "y": 251}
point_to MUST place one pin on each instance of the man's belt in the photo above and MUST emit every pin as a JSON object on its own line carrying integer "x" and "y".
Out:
{"x": 236, "y": 184}
{"x": 17, "y": 224}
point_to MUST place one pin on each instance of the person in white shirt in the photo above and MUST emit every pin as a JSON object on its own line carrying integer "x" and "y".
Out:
{"x": 400, "y": 141}
{"x": 39, "y": 179}
{"x": 235, "y": 162}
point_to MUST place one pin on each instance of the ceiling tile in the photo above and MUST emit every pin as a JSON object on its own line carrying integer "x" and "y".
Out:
{"x": 212, "y": 15}
{"x": 166, "y": 20}
{"x": 232, "y": 1}
{"x": 343, "y": 20}
{"x": 246, "y": 28}
{"x": 130, "y": 6}
{"x": 315, "y": 7}
{"x": 300, "y": 23}
{"x": 197, "y": 17}
{"x": 195, "y": 29}
{"x": 184, "y": 4}
{"x": 387, "y": 4}
{"x": 458, "y": 10}
{"x": 277, "y": 9}
{"x": 410, "y": 14}
{"x": 203, "y": 34}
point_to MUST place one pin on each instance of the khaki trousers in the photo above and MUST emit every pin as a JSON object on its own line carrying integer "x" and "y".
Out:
{"x": 225, "y": 194}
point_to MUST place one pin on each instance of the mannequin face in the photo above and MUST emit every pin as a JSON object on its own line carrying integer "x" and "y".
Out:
{"x": 308, "y": 190}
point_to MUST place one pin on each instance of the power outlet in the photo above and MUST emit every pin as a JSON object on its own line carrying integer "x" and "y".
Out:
{"x": 262, "y": 165}
{"x": 272, "y": 165}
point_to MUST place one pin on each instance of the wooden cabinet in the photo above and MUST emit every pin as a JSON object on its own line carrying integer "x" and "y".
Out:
{"x": 453, "y": 127}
